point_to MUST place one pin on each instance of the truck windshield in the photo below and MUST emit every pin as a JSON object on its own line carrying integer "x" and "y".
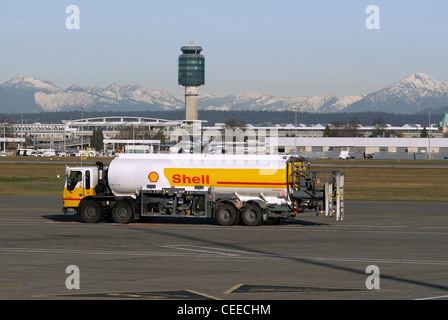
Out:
{"x": 73, "y": 179}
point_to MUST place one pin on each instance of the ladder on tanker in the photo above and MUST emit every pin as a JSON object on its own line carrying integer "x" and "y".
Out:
{"x": 335, "y": 205}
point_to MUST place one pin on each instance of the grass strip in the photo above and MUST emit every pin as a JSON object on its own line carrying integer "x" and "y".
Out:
{"x": 361, "y": 183}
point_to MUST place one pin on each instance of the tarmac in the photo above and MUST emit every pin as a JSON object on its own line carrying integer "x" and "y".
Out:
{"x": 381, "y": 250}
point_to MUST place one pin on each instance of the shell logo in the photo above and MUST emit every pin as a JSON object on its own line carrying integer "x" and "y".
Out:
{"x": 153, "y": 176}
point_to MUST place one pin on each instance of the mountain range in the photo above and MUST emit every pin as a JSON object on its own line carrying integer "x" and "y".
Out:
{"x": 30, "y": 95}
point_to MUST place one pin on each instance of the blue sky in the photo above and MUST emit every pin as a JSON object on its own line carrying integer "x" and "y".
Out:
{"x": 287, "y": 48}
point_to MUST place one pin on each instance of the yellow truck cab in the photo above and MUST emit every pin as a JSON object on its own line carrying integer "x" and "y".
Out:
{"x": 80, "y": 182}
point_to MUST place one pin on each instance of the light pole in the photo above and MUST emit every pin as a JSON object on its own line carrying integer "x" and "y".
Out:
{"x": 429, "y": 132}
{"x": 82, "y": 129}
{"x": 21, "y": 131}
{"x": 4, "y": 136}
{"x": 295, "y": 128}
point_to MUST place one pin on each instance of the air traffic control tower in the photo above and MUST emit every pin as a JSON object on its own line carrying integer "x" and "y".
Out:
{"x": 191, "y": 76}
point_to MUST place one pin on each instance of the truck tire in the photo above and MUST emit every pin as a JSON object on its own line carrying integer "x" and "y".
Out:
{"x": 252, "y": 215}
{"x": 226, "y": 214}
{"x": 91, "y": 211}
{"x": 122, "y": 212}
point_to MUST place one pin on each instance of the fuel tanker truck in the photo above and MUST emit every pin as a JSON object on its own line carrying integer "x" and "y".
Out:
{"x": 234, "y": 189}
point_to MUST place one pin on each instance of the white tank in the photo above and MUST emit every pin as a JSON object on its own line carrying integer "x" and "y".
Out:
{"x": 247, "y": 175}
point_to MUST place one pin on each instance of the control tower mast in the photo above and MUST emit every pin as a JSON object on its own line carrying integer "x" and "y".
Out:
{"x": 191, "y": 75}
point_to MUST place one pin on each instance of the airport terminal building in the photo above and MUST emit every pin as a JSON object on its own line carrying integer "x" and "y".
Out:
{"x": 376, "y": 148}
{"x": 283, "y": 139}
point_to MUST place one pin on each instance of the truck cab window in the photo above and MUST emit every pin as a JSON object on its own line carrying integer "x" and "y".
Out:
{"x": 73, "y": 179}
{"x": 87, "y": 179}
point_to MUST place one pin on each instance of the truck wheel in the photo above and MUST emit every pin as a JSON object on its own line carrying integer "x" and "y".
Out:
{"x": 122, "y": 212}
{"x": 252, "y": 215}
{"x": 91, "y": 211}
{"x": 226, "y": 214}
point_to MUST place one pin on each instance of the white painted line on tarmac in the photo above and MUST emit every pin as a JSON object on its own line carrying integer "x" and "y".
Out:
{"x": 376, "y": 260}
{"x": 208, "y": 250}
{"x": 245, "y": 254}
{"x": 223, "y": 253}
{"x": 91, "y": 252}
{"x": 433, "y": 298}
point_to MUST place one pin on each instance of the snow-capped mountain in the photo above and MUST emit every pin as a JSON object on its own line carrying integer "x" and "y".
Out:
{"x": 111, "y": 98}
{"x": 407, "y": 96}
{"x": 29, "y": 95}
{"x": 26, "y": 83}
{"x": 257, "y": 102}
{"x": 26, "y": 94}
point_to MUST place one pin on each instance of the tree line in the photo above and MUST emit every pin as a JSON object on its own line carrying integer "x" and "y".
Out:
{"x": 266, "y": 118}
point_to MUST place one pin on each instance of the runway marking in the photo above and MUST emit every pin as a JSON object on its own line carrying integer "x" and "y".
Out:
{"x": 434, "y": 227}
{"x": 376, "y": 260}
{"x": 93, "y": 252}
{"x": 433, "y": 298}
{"x": 218, "y": 251}
{"x": 240, "y": 254}
{"x": 147, "y": 224}
{"x": 11, "y": 284}
{"x": 147, "y": 295}
{"x": 234, "y": 288}
{"x": 57, "y": 222}
{"x": 249, "y": 288}
{"x": 396, "y": 231}
{"x": 221, "y": 252}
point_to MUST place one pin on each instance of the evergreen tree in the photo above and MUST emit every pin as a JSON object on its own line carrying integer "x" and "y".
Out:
{"x": 424, "y": 133}
{"x": 96, "y": 141}
{"x": 327, "y": 131}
